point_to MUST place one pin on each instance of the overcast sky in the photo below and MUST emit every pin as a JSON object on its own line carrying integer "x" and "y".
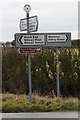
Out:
{"x": 53, "y": 16}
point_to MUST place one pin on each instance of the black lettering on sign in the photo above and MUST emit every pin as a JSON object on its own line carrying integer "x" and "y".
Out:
{"x": 35, "y": 36}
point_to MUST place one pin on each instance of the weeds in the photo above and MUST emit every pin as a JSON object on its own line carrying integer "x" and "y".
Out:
{"x": 20, "y": 103}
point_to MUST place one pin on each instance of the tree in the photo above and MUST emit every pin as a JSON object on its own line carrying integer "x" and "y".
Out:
{"x": 68, "y": 79}
{"x": 14, "y": 71}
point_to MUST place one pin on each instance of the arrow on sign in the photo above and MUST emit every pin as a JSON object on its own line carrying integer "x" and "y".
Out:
{"x": 26, "y": 40}
{"x": 67, "y": 37}
{"x": 20, "y": 40}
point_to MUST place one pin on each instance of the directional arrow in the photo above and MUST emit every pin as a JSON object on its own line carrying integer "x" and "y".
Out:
{"x": 67, "y": 37}
{"x": 24, "y": 40}
{"x": 20, "y": 40}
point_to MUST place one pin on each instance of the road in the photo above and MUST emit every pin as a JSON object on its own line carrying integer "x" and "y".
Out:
{"x": 73, "y": 114}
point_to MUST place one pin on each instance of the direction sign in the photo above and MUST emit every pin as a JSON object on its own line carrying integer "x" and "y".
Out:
{"x": 33, "y": 24}
{"x": 29, "y": 40}
{"x": 24, "y": 40}
{"x": 29, "y": 50}
{"x": 58, "y": 39}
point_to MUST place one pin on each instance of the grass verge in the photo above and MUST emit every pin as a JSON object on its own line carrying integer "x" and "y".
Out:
{"x": 20, "y": 103}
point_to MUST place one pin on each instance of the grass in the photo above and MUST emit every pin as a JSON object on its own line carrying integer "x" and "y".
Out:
{"x": 20, "y": 103}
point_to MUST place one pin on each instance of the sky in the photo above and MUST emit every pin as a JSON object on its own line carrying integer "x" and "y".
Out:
{"x": 54, "y": 16}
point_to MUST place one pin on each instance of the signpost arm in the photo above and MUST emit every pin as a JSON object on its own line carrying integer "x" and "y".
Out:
{"x": 57, "y": 72}
{"x": 29, "y": 63}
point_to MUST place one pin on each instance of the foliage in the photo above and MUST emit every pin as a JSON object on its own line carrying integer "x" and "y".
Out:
{"x": 15, "y": 71}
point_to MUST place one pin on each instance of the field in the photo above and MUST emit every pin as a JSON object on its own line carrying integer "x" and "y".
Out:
{"x": 20, "y": 103}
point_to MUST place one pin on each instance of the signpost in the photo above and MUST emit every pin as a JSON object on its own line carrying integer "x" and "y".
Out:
{"x": 28, "y": 43}
{"x": 33, "y": 24}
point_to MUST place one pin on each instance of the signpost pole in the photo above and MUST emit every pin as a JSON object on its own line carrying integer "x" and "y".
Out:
{"x": 57, "y": 72}
{"x": 27, "y": 9}
{"x": 29, "y": 65}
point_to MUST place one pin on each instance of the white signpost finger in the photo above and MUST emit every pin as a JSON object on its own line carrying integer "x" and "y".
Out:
{"x": 57, "y": 38}
{"x": 33, "y": 24}
{"x": 31, "y": 40}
